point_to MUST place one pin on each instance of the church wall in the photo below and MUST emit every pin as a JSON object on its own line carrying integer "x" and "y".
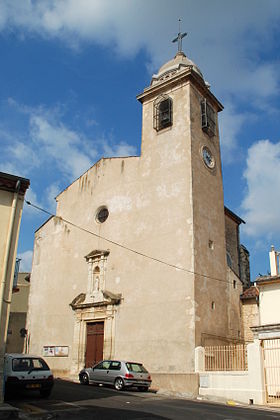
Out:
{"x": 211, "y": 290}
{"x": 57, "y": 276}
{"x": 167, "y": 154}
{"x": 164, "y": 204}
{"x": 143, "y": 208}
{"x": 235, "y": 289}
{"x": 232, "y": 242}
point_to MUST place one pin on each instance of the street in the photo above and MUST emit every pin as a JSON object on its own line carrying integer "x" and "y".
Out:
{"x": 74, "y": 401}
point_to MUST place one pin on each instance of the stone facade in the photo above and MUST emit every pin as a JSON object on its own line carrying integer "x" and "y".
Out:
{"x": 250, "y": 312}
{"x": 155, "y": 270}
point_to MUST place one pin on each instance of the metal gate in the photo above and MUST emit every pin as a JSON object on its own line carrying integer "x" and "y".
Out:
{"x": 271, "y": 357}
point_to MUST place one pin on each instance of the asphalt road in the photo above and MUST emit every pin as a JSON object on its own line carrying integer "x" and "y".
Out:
{"x": 74, "y": 401}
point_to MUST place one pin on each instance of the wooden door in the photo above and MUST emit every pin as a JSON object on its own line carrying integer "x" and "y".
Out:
{"x": 95, "y": 339}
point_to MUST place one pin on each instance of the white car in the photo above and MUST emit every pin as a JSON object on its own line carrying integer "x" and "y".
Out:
{"x": 26, "y": 372}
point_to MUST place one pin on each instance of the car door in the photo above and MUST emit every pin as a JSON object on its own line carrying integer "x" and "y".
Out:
{"x": 114, "y": 371}
{"x": 100, "y": 372}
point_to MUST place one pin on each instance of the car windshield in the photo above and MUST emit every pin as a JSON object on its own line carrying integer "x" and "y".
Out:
{"x": 136, "y": 367}
{"x": 25, "y": 364}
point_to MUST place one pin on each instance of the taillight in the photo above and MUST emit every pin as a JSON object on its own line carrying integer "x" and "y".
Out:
{"x": 50, "y": 378}
{"x": 129, "y": 375}
{"x": 149, "y": 377}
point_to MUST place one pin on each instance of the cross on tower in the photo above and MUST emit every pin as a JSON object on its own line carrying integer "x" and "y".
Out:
{"x": 180, "y": 37}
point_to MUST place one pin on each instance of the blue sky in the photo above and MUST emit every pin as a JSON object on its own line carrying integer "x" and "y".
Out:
{"x": 70, "y": 71}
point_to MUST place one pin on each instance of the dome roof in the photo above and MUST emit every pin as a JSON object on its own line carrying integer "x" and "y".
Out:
{"x": 173, "y": 66}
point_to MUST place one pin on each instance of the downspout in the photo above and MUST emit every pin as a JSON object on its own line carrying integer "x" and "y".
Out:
{"x": 8, "y": 253}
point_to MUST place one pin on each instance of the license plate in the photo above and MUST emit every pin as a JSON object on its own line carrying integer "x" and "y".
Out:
{"x": 32, "y": 386}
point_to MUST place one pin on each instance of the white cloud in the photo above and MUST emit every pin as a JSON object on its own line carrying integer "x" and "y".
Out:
{"x": 231, "y": 123}
{"x": 225, "y": 38}
{"x": 262, "y": 201}
{"x": 51, "y": 147}
{"x": 31, "y": 196}
{"x": 26, "y": 261}
{"x": 230, "y": 48}
{"x": 119, "y": 150}
{"x": 51, "y": 192}
{"x": 60, "y": 144}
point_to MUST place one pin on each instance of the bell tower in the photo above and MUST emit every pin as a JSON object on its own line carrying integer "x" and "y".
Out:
{"x": 181, "y": 154}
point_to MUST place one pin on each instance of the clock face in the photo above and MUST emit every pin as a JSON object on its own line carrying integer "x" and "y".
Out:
{"x": 208, "y": 158}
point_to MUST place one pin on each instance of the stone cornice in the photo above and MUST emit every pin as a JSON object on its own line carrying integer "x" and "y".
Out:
{"x": 9, "y": 183}
{"x": 182, "y": 77}
{"x": 264, "y": 280}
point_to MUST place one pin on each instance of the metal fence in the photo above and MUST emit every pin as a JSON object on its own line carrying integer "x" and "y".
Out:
{"x": 271, "y": 355}
{"x": 226, "y": 358}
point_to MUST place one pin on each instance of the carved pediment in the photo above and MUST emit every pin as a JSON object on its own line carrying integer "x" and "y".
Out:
{"x": 103, "y": 299}
{"x": 97, "y": 254}
{"x": 115, "y": 298}
{"x": 78, "y": 300}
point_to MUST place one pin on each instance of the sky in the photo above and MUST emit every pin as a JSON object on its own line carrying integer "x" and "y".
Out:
{"x": 70, "y": 72}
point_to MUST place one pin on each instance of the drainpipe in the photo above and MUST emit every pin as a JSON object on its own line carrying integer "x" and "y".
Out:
{"x": 4, "y": 277}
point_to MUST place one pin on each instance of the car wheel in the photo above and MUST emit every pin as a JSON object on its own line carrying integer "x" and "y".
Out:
{"x": 84, "y": 379}
{"x": 119, "y": 385}
{"x": 45, "y": 393}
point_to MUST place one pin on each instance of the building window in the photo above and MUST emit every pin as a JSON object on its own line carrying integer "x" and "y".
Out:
{"x": 208, "y": 118}
{"x": 102, "y": 214}
{"x": 229, "y": 260}
{"x": 162, "y": 112}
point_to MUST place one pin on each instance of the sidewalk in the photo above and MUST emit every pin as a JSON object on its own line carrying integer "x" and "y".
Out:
{"x": 7, "y": 411}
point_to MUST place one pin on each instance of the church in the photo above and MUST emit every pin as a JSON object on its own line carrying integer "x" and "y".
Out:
{"x": 142, "y": 260}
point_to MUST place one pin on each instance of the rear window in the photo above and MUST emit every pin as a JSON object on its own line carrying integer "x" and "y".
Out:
{"x": 136, "y": 367}
{"x": 26, "y": 364}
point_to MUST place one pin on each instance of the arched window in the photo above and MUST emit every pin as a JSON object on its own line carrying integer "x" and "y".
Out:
{"x": 162, "y": 112}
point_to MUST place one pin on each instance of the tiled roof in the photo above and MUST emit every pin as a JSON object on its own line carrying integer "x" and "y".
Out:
{"x": 251, "y": 293}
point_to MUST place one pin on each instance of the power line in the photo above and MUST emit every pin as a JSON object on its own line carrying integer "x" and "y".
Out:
{"x": 126, "y": 247}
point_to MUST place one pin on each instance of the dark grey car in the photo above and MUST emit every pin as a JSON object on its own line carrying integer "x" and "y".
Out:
{"x": 120, "y": 374}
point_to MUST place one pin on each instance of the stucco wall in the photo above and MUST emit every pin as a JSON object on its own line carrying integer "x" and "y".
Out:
{"x": 243, "y": 386}
{"x": 15, "y": 341}
{"x": 17, "y": 319}
{"x": 153, "y": 294}
{"x": 235, "y": 289}
{"x": 269, "y": 303}
{"x": 10, "y": 217}
{"x": 166, "y": 205}
{"x": 232, "y": 244}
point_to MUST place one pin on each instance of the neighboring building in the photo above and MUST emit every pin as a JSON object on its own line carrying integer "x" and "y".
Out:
{"x": 260, "y": 304}
{"x": 268, "y": 325}
{"x": 12, "y": 191}
{"x": 250, "y": 312}
{"x": 134, "y": 264}
{"x": 18, "y": 312}
{"x": 268, "y": 328}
